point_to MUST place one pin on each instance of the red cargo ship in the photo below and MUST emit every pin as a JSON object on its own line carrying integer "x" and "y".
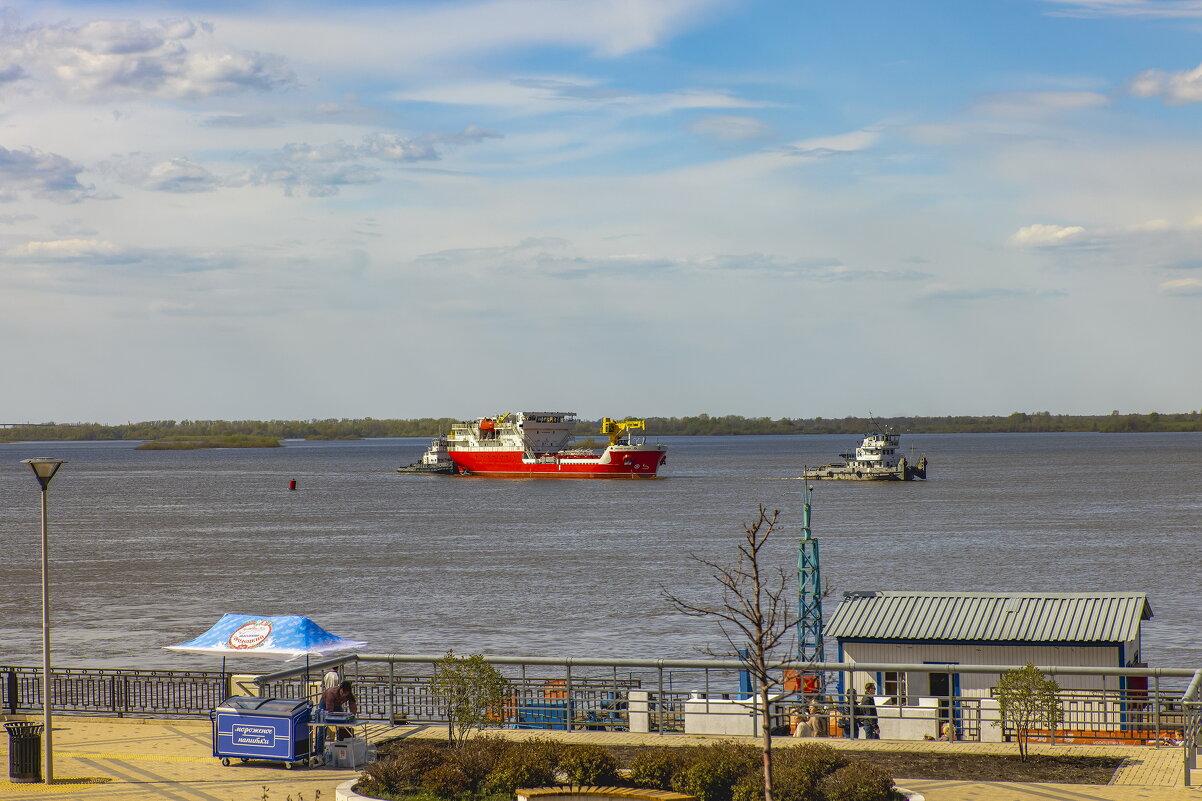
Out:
{"x": 535, "y": 445}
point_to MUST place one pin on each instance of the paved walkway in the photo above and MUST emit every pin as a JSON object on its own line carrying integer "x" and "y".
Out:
{"x": 151, "y": 760}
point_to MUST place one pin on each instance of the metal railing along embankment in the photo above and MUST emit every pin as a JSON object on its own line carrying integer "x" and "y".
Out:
{"x": 663, "y": 696}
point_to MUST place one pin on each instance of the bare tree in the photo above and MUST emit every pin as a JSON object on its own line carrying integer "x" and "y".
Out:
{"x": 753, "y": 615}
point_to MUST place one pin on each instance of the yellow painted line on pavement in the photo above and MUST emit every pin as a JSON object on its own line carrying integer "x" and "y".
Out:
{"x": 136, "y": 757}
{"x": 61, "y": 785}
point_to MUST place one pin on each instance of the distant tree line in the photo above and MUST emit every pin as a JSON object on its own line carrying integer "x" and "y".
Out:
{"x": 699, "y": 425}
{"x": 1018, "y": 422}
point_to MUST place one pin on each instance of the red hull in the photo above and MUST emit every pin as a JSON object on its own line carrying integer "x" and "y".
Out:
{"x": 510, "y": 464}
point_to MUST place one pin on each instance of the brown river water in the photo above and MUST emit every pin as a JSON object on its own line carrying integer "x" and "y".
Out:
{"x": 149, "y": 548}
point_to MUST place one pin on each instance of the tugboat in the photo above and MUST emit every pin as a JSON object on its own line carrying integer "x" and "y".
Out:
{"x": 877, "y": 459}
{"x": 436, "y": 461}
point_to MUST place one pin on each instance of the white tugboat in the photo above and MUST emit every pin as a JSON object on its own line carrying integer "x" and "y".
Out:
{"x": 877, "y": 459}
{"x": 435, "y": 461}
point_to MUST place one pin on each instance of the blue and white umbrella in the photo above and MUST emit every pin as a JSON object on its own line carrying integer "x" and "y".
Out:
{"x": 292, "y": 636}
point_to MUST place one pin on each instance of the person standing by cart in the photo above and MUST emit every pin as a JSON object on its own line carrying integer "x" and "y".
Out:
{"x": 341, "y": 699}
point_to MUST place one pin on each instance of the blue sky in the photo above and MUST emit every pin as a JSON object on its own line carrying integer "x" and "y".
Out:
{"x": 618, "y": 207}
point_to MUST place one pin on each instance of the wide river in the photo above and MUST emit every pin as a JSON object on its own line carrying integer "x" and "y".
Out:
{"x": 149, "y": 548}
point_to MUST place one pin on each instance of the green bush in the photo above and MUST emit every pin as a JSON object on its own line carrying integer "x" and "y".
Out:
{"x": 545, "y": 749}
{"x": 588, "y": 765}
{"x": 822, "y": 758}
{"x": 797, "y": 771}
{"x": 750, "y": 787}
{"x": 710, "y": 772}
{"x": 405, "y": 770}
{"x": 655, "y": 767}
{"x": 478, "y": 756}
{"x": 858, "y": 781}
{"x": 381, "y": 777}
{"x": 446, "y": 781}
{"x": 520, "y": 768}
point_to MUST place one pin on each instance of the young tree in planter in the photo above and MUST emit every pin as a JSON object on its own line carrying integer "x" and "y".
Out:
{"x": 753, "y": 615}
{"x": 1027, "y": 700}
{"x": 468, "y": 689}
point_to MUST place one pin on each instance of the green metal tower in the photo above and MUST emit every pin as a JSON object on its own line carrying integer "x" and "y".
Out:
{"x": 809, "y": 597}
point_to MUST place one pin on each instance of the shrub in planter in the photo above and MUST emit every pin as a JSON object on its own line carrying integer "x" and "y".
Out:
{"x": 740, "y": 757}
{"x": 446, "y": 781}
{"x": 405, "y": 770}
{"x": 417, "y": 760}
{"x": 588, "y": 765}
{"x": 655, "y": 767}
{"x": 816, "y": 757}
{"x": 544, "y": 749}
{"x": 750, "y": 787}
{"x": 477, "y": 758}
{"x": 797, "y": 771}
{"x": 382, "y": 777}
{"x": 859, "y": 781}
{"x": 710, "y": 772}
{"x": 521, "y": 767}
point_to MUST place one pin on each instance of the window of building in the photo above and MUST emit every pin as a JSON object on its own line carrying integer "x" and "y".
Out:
{"x": 893, "y": 684}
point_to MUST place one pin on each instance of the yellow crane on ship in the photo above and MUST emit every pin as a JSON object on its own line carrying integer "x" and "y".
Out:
{"x": 617, "y": 428}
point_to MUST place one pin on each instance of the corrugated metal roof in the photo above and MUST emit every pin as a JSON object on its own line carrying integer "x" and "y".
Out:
{"x": 990, "y": 616}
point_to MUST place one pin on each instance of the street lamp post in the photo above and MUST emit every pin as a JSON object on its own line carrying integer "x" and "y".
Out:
{"x": 44, "y": 469}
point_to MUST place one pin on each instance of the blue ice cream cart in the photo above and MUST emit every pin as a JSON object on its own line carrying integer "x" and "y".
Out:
{"x": 275, "y": 729}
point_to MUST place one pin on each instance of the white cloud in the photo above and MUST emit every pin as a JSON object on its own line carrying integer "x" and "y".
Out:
{"x": 545, "y": 95}
{"x": 838, "y": 144}
{"x": 239, "y": 121}
{"x": 1183, "y": 286}
{"x": 45, "y": 175}
{"x": 1162, "y": 9}
{"x": 403, "y": 41}
{"x": 555, "y": 257}
{"x": 321, "y": 169}
{"x": 1044, "y": 235}
{"x": 393, "y": 147}
{"x": 1036, "y": 105}
{"x": 107, "y": 59}
{"x": 1175, "y": 88}
{"x": 70, "y": 250}
{"x": 727, "y": 128}
{"x": 178, "y": 175}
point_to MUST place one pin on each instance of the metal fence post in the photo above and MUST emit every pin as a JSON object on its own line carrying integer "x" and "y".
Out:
{"x": 391, "y": 692}
{"x": 1187, "y": 737}
{"x": 1156, "y": 706}
{"x": 10, "y": 684}
{"x": 569, "y": 701}
{"x": 659, "y": 702}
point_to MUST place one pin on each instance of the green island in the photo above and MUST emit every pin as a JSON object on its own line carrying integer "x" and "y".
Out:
{"x": 218, "y": 431}
{"x": 192, "y": 443}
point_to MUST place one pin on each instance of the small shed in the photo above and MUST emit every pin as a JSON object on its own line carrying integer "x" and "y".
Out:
{"x": 985, "y": 628}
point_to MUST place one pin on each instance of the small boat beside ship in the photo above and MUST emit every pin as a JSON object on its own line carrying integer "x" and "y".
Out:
{"x": 877, "y": 459}
{"x": 434, "y": 462}
{"x": 538, "y": 445}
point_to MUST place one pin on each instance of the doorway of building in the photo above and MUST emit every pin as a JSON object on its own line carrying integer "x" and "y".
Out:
{"x": 946, "y": 688}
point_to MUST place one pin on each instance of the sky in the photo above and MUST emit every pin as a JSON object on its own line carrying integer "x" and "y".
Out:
{"x": 292, "y": 210}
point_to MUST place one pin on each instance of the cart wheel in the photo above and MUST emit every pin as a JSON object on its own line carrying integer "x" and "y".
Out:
{"x": 288, "y": 765}
{"x": 315, "y": 761}
{"x": 244, "y": 760}
{"x": 225, "y": 761}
